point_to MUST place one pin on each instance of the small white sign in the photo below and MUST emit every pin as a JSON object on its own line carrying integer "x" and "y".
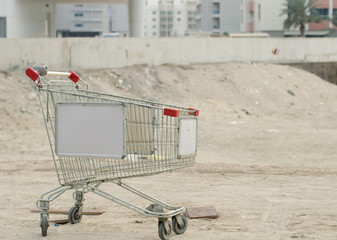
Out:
{"x": 89, "y": 129}
{"x": 187, "y": 137}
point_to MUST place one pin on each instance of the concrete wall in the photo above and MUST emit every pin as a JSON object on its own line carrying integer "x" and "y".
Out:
{"x": 96, "y": 53}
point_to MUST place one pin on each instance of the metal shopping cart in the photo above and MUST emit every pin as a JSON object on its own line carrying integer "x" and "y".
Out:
{"x": 96, "y": 137}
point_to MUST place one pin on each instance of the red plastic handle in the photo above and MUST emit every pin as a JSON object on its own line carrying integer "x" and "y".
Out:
{"x": 32, "y": 74}
{"x": 196, "y": 113}
{"x": 73, "y": 77}
{"x": 171, "y": 112}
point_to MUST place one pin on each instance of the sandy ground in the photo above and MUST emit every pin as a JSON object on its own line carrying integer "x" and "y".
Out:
{"x": 266, "y": 155}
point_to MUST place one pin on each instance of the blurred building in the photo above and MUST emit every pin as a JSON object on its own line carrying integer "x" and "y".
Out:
{"x": 167, "y": 18}
{"x": 218, "y": 16}
{"x": 327, "y": 8}
{"x": 87, "y": 20}
{"x": 257, "y": 16}
{"x": 37, "y": 18}
{"x": 264, "y": 16}
{"x": 24, "y": 18}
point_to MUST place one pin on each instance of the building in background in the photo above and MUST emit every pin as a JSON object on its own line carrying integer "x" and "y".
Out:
{"x": 327, "y": 8}
{"x": 169, "y": 18}
{"x": 87, "y": 20}
{"x": 24, "y": 18}
{"x": 218, "y": 16}
{"x": 151, "y": 23}
{"x": 118, "y": 19}
{"x": 264, "y": 16}
{"x": 257, "y": 16}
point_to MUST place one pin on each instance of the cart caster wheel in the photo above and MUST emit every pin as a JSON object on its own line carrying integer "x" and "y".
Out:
{"x": 179, "y": 228}
{"x": 164, "y": 234}
{"x": 44, "y": 225}
{"x": 73, "y": 215}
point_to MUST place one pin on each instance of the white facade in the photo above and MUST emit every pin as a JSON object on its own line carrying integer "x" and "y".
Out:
{"x": 119, "y": 19}
{"x": 167, "y": 18}
{"x": 23, "y": 18}
{"x": 262, "y": 16}
{"x": 151, "y": 23}
{"x": 219, "y": 16}
{"x": 184, "y": 21}
{"x": 267, "y": 17}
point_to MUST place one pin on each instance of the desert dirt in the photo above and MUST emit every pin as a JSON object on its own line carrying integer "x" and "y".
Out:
{"x": 266, "y": 155}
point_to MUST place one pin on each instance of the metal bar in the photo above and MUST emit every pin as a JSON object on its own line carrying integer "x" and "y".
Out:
{"x": 173, "y": 212}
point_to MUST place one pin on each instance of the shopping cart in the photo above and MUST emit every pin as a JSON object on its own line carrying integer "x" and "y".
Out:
{"x": 96, "y": 137}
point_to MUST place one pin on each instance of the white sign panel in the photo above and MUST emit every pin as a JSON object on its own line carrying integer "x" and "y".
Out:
{"x": 89, "y": 129}
{"x": 187, "y": 137}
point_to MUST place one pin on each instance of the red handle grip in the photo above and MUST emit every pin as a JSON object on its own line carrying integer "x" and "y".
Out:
{"x": 196, "y": 113}
{"x": 32, "y": 74}
{"x": 73, "y": 77}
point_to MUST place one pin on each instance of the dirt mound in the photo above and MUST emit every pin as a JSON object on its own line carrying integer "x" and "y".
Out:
{"x": 228, "y": 93}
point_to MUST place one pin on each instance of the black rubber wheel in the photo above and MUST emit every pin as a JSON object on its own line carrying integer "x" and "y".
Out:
{"x": 44, "y": 225}
{"x": 177, "y": 228}
{"x": 73, "y": 215}
{"x": 163, "y": 234}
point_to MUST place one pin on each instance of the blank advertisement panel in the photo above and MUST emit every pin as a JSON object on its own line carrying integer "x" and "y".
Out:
{"x": 90, "y": 129}
{"x": 187, "y": 137}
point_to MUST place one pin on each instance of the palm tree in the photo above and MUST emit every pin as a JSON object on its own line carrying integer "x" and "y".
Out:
{"x": 300, "y": 12}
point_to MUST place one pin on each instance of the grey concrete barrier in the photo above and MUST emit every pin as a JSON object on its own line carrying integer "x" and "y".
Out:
{"x": 98, "y": 53}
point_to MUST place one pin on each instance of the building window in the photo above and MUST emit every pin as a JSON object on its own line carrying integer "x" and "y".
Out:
{"x": 154, "y": 34}
{"x": 78, "y": 24}
{"x": 324, "y": 12}
{"x": 153, "y": 19}
{"x": 178, "y": 12}
{"x": 78, "y": 5}
{"x": 154, "y": 26}
{"x": 178, "y": 19}
{"x": 154, "y": 12}
{"x": 78, "y": 14}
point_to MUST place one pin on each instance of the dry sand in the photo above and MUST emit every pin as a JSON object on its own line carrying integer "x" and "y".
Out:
{"x": 267, "y": 148}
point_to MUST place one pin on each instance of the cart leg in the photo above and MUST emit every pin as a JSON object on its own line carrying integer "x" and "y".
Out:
{"x": 43, "y": 204}
{"x": 44, "y": 216}
{"x": 75, "y": 213}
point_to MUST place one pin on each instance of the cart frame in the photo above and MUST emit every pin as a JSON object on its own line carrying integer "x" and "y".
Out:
{"x": 156, "y": 138}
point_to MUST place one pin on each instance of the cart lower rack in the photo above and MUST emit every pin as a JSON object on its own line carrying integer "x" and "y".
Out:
{"x": 97, "y": 138}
